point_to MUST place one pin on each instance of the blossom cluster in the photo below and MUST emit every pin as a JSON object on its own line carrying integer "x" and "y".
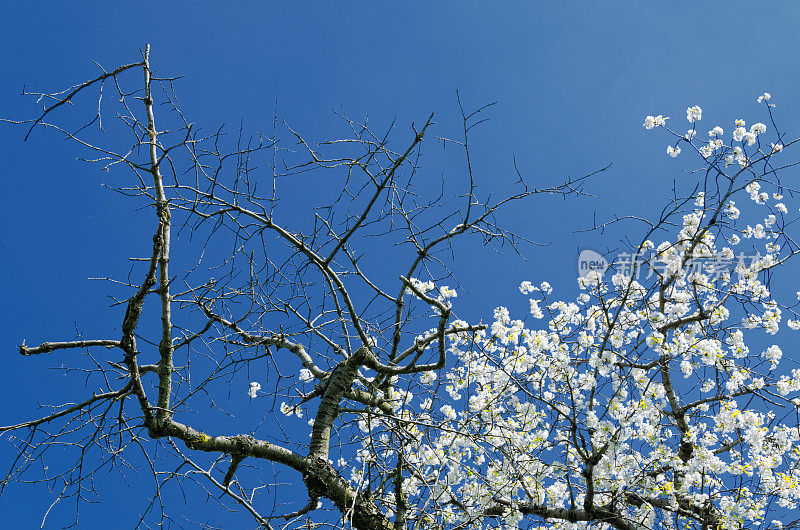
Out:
{"x": 656, "y": 381}
{"x": 662, "y": 402}
{"x": 734, "y": 152}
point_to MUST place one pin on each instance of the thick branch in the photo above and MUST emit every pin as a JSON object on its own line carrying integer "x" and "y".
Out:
{"x": 165, "y": 347}
{"x": 47, "y": 347}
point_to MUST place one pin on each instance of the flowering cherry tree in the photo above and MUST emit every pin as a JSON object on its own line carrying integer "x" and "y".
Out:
{"x": 636, "y": 402}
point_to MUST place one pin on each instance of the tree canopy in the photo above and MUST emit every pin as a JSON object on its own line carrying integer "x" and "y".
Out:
{"x": 651, "y": 397}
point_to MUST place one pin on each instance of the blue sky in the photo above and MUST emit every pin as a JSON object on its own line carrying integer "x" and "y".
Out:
{"x": 573, "y": 82}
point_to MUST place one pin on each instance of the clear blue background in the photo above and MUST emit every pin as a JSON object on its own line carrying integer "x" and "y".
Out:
{"x": 574, "y": 81}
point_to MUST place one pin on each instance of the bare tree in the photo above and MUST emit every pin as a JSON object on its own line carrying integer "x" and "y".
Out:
{"x": 305, "y": 299}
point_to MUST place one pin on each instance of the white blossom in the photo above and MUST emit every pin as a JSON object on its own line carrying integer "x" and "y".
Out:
{"x": 694, "y": 113}
{"x": 654, "y": 121}
{"x": 448, "y": 412}
{"x": 446, "y": 292}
